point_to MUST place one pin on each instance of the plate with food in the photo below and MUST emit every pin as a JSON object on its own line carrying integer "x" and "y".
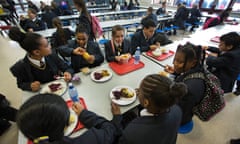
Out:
{"x": 73, "y": 120}
{"x": 123, "y": 95}
{"x": 55, "y": 87}
{"x": 101, "y": 75}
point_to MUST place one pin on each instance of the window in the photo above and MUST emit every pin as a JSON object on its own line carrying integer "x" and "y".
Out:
{"x": 217, "y": 4}
{"x": 236, "y": 6}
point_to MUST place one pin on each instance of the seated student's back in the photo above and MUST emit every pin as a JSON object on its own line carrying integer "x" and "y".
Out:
{"x": 160, "y": 118}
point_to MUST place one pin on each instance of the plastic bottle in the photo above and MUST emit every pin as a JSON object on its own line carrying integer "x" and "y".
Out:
{"x": 73, "y": 93}
{"x": 137, "y": 55}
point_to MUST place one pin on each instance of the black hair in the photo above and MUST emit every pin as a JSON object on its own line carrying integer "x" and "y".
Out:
{"x": 82, "y": 5}
{"x": 162, "y": 92}
{"x": 28, "y": 41}
{"x": 57, "y": 23}
{"x": 81, "y": 29}
{"x": 231, "y": 38}
{"x": 192, "y": 52}
{"x": 147, "y": 23}
{"x": 43, "y": 115}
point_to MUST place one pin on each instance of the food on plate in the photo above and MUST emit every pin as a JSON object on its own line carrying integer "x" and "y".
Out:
{"x": 71, "y": 119}
{"x": 164, "y": 50}
{"x": 163, "y": 73}
{"x": 55, "y": 87}
{"x": 99, "y": 75}
{"x": 157, "y": 52}
{"x": 85, "y": 70}
{"x": 124, "y": 58}
{"x": 124, "y": 92}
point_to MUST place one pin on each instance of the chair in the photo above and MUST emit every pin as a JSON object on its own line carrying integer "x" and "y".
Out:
{"x": 187, "y": 128}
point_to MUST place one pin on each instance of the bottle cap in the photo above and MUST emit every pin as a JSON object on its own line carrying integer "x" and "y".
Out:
{"x": 70, "y": 85}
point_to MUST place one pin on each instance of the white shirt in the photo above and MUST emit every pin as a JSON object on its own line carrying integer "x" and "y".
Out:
{"x": 36, "y": 62}
{"x": 144, "y": 112}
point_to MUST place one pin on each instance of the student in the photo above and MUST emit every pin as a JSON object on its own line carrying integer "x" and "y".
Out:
{"x": 162, "y": 10}
{"x": 144, "y": 37}
{"x": 7, "y": 113}
{"x": 195, "y": 15}
{"x": 84, "y": 18}
{"x": 150, "y": 15}
{"x": 62, "y": 35}
{"x": 117, "y": 46}
{"x": 188, "y": 60}
{"x": 83, "y": 53}
{"x": 224, "y": 61}
{"x": 39, "y": 65}
{"x": 160, "y": 119}
{"x": 43, "y": 118}
{"x": 181, "y": 16}
{"x": 211, "y": 22}
{"x": 47, "y": 16}
{"x": 32, "y": 23}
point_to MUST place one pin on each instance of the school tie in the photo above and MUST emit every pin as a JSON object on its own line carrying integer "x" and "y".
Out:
{"x": 42, "y": 64}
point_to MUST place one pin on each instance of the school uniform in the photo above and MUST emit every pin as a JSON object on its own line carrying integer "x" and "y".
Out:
{"x": 100, "y": 130}
{"x": 153, "y": 129}
{"x": 138, "y": 39}
{"x": 161, "y": 11}
{"x": 196, "y": 90}
{"x": 226, "y": 66}
{"x": 35, "y": 24}
{"x": 27, "y": 72}
{"x": 77, "y": 61}
{"x": 112, "y": 49}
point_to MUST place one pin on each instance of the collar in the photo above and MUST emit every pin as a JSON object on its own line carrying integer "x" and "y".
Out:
{"x": 34, "y": 19}
{"x": 117, "y": 44}
{"x": 144, "y": 112}
{"x": 145, "y": 37}
{"x": 36, "y": 62}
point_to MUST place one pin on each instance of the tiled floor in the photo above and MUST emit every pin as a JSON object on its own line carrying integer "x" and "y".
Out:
{"x": 219, "y": 130}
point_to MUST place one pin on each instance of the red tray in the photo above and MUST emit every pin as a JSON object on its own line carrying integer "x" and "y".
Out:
{"x": 79, "y": 124}
{"x": 122, "y": 69}
{"x": 162, "y": 56}
{"x": 215, "y": 39}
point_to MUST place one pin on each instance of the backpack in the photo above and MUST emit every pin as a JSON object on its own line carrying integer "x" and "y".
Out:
{"x": 96, "y": 28}
{"x": 209, "y": 21}
{"x": 213, "y": 100}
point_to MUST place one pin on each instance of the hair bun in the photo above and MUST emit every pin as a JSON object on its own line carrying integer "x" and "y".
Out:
{"x": 16, "y": 34}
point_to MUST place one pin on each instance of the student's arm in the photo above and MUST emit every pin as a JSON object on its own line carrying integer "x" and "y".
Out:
{"x": 134, "y": 43}
{"x": 67, "y": 50}
{"x": 108, "y": 52}
{"x": 220, "y": 62}
{"x": 213, "y": 49}
{"x": 95, "y": 50}
{"x": 41, "y": 26}
{"x": 62, "y": 65}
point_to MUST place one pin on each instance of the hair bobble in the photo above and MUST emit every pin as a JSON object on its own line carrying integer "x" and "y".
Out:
{"x": 40, "y": 139}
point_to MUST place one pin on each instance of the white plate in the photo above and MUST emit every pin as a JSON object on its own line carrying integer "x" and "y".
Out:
{"x": 122, "y": 100}
{"x": 103, "y": 79}
{"x": 72, "y": 125}
{"x": 60, "y": 92}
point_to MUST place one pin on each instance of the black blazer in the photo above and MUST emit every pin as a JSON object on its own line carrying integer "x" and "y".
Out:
{"x": 226, "y": 66}
{"x": 196, "y": 90}
{"x": 138, "y": 39}
{"x": 22, "y": 70}
{"x": 159, "y": 129}
{"x": 111, "y": 51}
{"x": 78, "y": 61}
{"x": 100, "y": 130}
{"x": 36, "y": 25}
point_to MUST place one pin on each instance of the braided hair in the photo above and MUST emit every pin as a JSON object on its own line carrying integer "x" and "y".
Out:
{"x": 161, "y": 91}
{"x": 192, "y": 52}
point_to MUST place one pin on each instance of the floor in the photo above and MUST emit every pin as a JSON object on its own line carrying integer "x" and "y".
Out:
{"x": 219, "y": 130}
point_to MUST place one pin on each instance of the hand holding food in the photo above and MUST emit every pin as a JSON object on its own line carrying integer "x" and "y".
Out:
{"x": 169, "y": 69}
{"x": 67, "y": 76}
{"x": 77, "y": 51}
{"x": 35, "y": 86}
